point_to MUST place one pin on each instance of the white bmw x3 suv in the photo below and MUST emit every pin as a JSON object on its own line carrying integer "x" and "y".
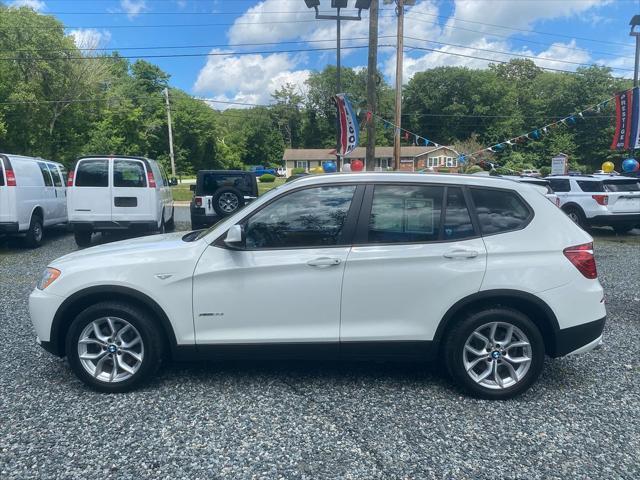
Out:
{"x": 482, "y": 273}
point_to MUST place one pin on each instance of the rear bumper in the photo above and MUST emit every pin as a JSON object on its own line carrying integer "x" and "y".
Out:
{"x": 579, "y": 339}
{"x": 9, "y": 227}
{"x": 145, "y": 225}
{"x": 615, "y": 219}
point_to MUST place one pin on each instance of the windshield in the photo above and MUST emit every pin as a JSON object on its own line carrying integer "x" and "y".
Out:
{"x": 630, "y": 185}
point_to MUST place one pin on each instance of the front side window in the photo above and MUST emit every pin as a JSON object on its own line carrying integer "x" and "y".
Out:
{"x": 92, "y": 173}
{"x": 499, "y": 210}
{"x": 313, "y": 217}
{"x": 46, "y": 176}
{"x": 405, "y": 214}
{"x": 57, "y": 181}
{"x": 129, "y": 173}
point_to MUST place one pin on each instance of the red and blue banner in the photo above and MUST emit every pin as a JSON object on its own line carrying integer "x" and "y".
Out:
{"x": 349, "y": 128}
{"x": 627, "y": 135}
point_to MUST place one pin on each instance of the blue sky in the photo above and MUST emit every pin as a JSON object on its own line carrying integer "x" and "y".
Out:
{"x": 572, "y": 31}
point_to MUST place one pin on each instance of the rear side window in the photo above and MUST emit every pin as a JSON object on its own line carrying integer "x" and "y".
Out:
{"x": 57, "y": 181}
{"x": 457, "y": 221}
{"x": 560, "y": 185}
{"x": 499, "y": 210}
{"x": 92, "y": 173}
{"x": 622, "y": 185}
{"x": 590, "y": 186}
{"x": 46, "y": 176}
{"x": 405, "y": 214}
{"x": 128, "y": 173}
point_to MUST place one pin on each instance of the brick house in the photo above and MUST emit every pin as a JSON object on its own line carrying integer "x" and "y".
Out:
{"x": 411, "y": 158}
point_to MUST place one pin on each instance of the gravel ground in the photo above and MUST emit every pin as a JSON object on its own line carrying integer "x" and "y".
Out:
{"x": 319, "y": 420}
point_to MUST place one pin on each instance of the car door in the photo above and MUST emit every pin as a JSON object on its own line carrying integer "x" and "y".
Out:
{"x": 60, "y": 194}
{"x": 47, "y": 196}
{"x": 411, "y": 261}
{"x": 132, "y": 199}
{"x": 297, "y": 244}
{"x": 89, "y": 197}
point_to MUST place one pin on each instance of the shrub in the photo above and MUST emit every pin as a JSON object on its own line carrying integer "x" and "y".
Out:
{"x": 474, "y": 169}
{"x": 298, "y": 170}
{"x": 267, "y": 178}
{"x": 545, "y": 171}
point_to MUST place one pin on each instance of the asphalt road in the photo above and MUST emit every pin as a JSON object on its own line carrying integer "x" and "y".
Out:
{"x": 320, "y": 420}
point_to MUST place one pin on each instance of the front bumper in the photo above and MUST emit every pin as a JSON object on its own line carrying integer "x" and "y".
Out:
{"x": 9, "y": 227}
{"x": 42, "y": 309}
{"x": 579, "y": 339}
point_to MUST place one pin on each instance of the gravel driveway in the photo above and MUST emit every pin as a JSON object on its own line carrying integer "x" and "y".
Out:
{"x": 319, "y": 420}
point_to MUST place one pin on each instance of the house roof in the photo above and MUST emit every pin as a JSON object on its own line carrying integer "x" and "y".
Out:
{"x": 359, "y": 152}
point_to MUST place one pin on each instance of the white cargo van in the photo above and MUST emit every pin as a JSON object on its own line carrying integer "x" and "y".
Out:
{"x": 32, "y": 196}
{"x": 118, "y": 193}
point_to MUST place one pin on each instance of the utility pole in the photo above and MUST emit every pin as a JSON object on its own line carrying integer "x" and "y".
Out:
{"x": 635, "y": 21}
{"x": 171, "y": 155}
{"x": 399, "y": 53}
{"x": 338, "y": 88}
{"x": 372, "y": 80}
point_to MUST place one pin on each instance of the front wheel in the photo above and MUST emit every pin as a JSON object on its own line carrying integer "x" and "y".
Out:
{"x": 496, "y": 353}
{"x": 114, "y": 347}
{"x": 82, "y": 238}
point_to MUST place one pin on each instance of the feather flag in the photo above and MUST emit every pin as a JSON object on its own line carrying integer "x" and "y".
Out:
{"x": 349, "y": 128}
{"x": 625, "y": 120}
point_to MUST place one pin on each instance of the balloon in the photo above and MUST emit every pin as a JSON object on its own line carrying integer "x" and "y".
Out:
{"x": 329, "y": 167}
{"x": 316, "y": 170}
{"x": 630, "y": 165}
{"x": 607, "y": 167}
{"x": 346, "y": 167}
{"x": 357, "y": 165}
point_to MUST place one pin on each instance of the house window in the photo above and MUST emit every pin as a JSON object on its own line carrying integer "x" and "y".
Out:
{"x": 452, "y": 162}
{"x": 302, "y": 164}
{"x": 432, "y": 161}
{"x": 383, "y": 163}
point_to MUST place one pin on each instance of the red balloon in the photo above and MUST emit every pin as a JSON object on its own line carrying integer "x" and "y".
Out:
{"x": 357, "y": 165}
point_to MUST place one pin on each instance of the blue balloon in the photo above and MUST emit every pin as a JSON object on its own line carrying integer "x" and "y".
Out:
{"x": 329, "y": 167}
{"x": 630, "y": 165}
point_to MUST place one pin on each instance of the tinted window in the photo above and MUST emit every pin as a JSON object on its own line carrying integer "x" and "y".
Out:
{"x": 63, "y": 172}
{"x": 212, "y": 182}
{"x": 313, "y": 217}
{"x": 622, "y": 185}
{"x": 92, "y": 173}
{"x": 165, "y": 180}
{"x": 560, "y": 185}
{"x": 590, "y": 186}
{"x": 57, "y": 181}
{"x": 405, "y": 213}
{"x": 45, "y": 174}
{"x": 128, "y": 173}
{"x": 499, "y": 210}
{"x": 457, "y": 221}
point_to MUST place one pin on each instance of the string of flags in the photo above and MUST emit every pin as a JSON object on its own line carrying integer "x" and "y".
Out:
{"x": 407, "y": 135}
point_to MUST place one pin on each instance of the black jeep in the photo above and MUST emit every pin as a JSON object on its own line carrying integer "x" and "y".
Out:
{"x": 220, "y": 193}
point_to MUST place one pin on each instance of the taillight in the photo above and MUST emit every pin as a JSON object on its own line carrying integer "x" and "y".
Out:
{"x": 11, "y": 178}
{"x": 601, "y": 199}
{"x": 198, "y": 201}
{"x": 70, "y": 179}
{"x": 150, "y": 179}
{"x": 583, "y": 259}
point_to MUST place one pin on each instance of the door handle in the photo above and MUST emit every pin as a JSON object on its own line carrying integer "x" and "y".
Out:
{"x": 324, "y": 262}
{"x": 461, "y": 254}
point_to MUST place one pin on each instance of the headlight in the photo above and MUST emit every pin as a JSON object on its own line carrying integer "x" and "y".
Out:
{"x": 48, "y": 277}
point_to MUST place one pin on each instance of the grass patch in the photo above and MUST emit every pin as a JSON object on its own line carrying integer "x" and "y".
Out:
{"x": 265, "y": 187}
{"x": 181, "y": 193}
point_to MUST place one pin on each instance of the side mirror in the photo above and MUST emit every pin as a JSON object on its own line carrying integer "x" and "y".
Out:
{"x": 235, "y": 237}
{"x": 173, "y": 181}
{"x": 192, "y": 187}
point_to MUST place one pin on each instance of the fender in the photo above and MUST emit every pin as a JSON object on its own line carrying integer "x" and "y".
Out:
{"x": 572, "y": 205}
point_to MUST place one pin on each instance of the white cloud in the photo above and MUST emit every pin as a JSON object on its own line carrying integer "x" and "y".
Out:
{"x": 37, "y": 5}
{"x": 248, "y": 78}
{"x": 133, "y": 7}
{"x": 90, "y": 38}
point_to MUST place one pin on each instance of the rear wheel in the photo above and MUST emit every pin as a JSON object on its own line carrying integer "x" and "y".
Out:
{"x": 170, "y": 226}
{"x": 82, "y": 238}
{"x": 114, "y": 347}
{"x": 622, "y": 229}
{"x": 162, "y": 227}
{"x": 496, "y": 353}
{"x": 577, "y": 216}
{"x": 33, "y": 238}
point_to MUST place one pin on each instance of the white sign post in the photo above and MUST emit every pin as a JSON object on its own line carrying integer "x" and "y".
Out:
{"x": 559, "y": 164}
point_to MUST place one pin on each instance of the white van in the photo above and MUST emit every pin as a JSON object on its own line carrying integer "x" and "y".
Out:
{"x": 32, "y": 196}
{"x": 118, "y": 193}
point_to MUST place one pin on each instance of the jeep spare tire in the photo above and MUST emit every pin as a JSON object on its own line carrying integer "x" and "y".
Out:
{"x": 227, "y": 201}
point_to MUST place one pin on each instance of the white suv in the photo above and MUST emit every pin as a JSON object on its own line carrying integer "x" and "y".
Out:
{"x": 456, "y": 268}
{"x": 118, "y": 193}
{"x": 599, "y": 200}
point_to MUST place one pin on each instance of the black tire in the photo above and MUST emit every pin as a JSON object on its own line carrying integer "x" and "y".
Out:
{"x": 33, "y": 238}
{"x": 578, "y": 217}
{"x": 151, "y": 339}
{"x": 622, "y": 229}
{"x": 82, "y": 238}
{"x": 170, "y": 226}
{"x": 454, "y": 350}
{"x": 230, "y": 193}
{"x": 163, "y": 226}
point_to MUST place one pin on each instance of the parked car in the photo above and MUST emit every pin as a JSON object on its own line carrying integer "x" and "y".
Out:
{"x": 281, "y": 172}
{"x": 599, "y": 200}
{"x": 32, "y": 196}
{"x": 259, "y": 170}
{"x": 459, "y": 269}
{"x": 220, "y": 193}
{"x": 531, "y": 173}
{"x": 543, "y": 184}
{"x": 107, "y": 193}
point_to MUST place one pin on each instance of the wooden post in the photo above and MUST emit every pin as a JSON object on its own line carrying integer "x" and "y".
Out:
{"x": 399, "y": 53}
{"x": 372, "y": 80}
